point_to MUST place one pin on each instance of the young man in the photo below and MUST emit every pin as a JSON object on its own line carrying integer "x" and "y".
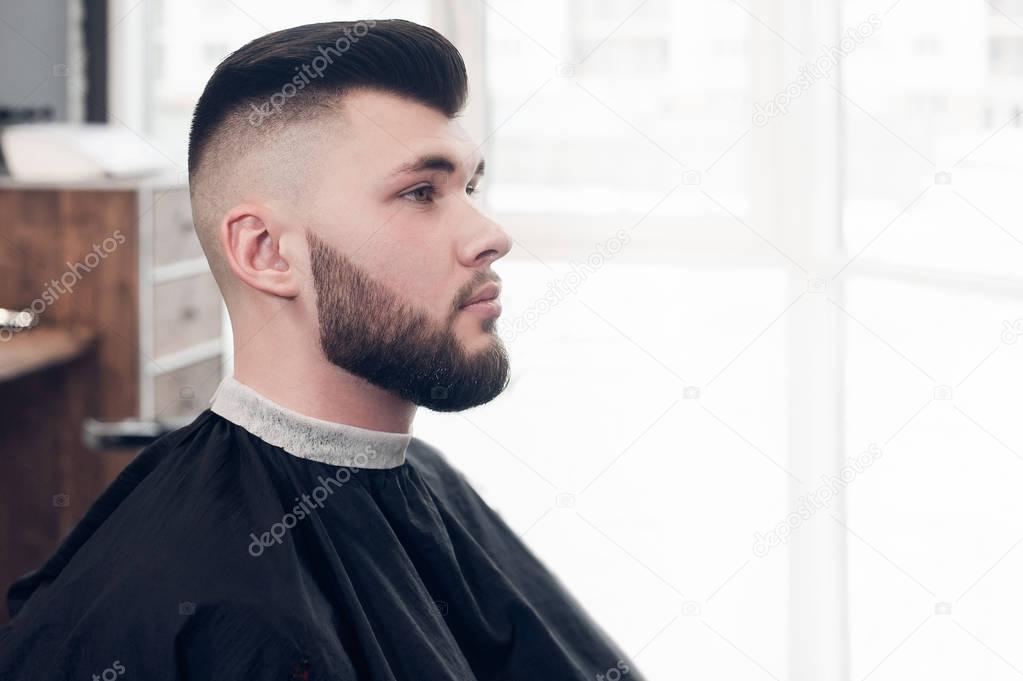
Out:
{"x": 296, "y": 529}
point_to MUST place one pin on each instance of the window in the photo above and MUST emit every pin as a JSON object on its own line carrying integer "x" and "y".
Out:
{"x": 931, "y": 109}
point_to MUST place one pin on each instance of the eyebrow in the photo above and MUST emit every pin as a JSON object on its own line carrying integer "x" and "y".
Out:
{"x": 434, "y": 162}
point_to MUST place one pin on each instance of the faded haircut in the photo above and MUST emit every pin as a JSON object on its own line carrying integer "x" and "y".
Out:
{"x": 293, "y": 76}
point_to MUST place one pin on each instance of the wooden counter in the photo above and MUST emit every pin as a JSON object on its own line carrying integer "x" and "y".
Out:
{"x": 40, "y": 348}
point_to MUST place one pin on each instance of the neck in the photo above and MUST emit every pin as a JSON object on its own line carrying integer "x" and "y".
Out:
{"x": 301, "y": 379}
{"x": 337, "y": 444}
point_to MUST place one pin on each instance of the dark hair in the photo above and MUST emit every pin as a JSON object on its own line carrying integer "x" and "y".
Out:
{"x": 323, "y": 61}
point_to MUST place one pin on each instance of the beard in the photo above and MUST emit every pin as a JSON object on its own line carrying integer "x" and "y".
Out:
{"x": 368, "y": 331}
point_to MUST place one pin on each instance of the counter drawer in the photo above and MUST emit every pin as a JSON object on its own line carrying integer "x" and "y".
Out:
{"x": 186, "y": 312}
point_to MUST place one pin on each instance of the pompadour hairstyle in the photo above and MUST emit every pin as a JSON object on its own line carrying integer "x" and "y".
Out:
{"x": 290, "y": 74}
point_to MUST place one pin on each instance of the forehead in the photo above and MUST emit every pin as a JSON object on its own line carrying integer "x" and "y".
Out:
{"x": 381, "y": 130}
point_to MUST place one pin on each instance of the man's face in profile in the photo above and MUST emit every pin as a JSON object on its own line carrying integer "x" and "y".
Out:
{"x": 398, "y": 245}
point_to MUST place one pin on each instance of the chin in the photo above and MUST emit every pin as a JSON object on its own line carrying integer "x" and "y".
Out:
{"x": 478, "y": 340}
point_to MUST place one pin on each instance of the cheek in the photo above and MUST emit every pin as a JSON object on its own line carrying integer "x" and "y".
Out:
{"x": 412, "y": 255}
{"x": 420, "y": 277}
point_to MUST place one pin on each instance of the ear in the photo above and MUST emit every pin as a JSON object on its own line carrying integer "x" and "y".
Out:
{"x": 251, "y": 245}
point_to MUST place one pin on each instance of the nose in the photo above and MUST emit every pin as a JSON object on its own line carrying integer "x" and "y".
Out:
{"x": 487, "y": 242}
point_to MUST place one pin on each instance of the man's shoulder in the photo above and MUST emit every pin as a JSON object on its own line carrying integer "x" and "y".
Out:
{"x": 236, "y": 638}
{"x": 173, "y": 523}
{"x": 423, "y": 454}
{"x": 433, "y": 466}
{"x": 453, "y": 489}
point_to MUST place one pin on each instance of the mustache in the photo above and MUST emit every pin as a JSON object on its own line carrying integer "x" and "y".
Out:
{"x": 478, "y": 279}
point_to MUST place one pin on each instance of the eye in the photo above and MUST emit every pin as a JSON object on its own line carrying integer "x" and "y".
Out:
{"x": 473, "y": 189}
{"x": 423, "y": 194}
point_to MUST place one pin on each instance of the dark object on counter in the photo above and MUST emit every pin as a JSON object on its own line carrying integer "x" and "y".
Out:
{"x": 100, "y": 435}
{"x": 23, "y": 114}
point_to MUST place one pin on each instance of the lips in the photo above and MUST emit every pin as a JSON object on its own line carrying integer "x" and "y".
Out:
{"x": 487, "y": 292}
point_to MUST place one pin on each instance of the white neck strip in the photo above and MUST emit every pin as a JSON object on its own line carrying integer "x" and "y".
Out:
{"x": 337, "y": 444}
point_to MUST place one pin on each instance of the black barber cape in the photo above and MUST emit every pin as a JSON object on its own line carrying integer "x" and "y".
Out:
{"x": 259, "y": 543}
